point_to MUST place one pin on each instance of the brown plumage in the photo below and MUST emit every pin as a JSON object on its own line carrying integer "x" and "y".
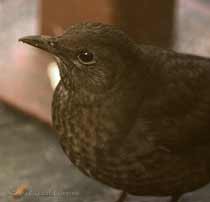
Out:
{"x": 134, "y": 117}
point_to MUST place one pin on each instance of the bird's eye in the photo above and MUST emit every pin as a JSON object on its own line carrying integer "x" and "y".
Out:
{"x": 86, "y": 57}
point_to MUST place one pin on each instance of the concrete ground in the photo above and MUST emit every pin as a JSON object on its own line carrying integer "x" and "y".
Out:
{"x": 31, "y": 156}
{"x": 32, "y": 159}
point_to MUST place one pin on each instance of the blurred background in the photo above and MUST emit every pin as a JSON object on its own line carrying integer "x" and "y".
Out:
{"x": 182, "y": 25}
{"x": 28, "y": 150}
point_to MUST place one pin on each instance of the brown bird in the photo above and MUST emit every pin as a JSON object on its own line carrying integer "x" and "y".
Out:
{"x": 134, "y": 117}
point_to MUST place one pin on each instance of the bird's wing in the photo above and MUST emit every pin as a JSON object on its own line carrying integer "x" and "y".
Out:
{"x": 178, "y": 111}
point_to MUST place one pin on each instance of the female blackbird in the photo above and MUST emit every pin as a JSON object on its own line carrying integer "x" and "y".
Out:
{"x": 134, "y": 117}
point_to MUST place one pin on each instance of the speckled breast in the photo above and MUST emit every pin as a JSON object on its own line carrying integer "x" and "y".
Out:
{"x": 76, "y": 126}
{"x": 158, "y": 173}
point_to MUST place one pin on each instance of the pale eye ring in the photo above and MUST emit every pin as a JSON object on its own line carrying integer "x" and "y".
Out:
{"x": 86, "y": 57}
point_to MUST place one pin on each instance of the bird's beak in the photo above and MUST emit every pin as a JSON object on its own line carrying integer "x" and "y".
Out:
{"x": 45, "y": 43}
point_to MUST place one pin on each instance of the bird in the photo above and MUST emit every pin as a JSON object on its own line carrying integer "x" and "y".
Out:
{"x": 132, "y": 116}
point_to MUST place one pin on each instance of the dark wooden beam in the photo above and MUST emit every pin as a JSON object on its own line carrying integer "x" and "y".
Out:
{"x": 147, "y": 21}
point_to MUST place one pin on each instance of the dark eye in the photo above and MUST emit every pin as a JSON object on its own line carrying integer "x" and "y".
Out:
{"x": 86, "y": 57}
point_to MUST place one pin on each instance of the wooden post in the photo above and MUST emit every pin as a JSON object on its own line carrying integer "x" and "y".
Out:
{"x": 147, "y": 21}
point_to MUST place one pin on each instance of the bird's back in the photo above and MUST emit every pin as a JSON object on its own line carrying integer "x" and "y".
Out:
{"x": 175, "y": 119}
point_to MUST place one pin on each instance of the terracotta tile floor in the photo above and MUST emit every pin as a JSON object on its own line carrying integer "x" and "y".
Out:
{"x": 23, "y": 78}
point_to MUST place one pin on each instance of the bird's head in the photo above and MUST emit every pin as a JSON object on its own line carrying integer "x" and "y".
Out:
{"x": 92, "y": 56}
